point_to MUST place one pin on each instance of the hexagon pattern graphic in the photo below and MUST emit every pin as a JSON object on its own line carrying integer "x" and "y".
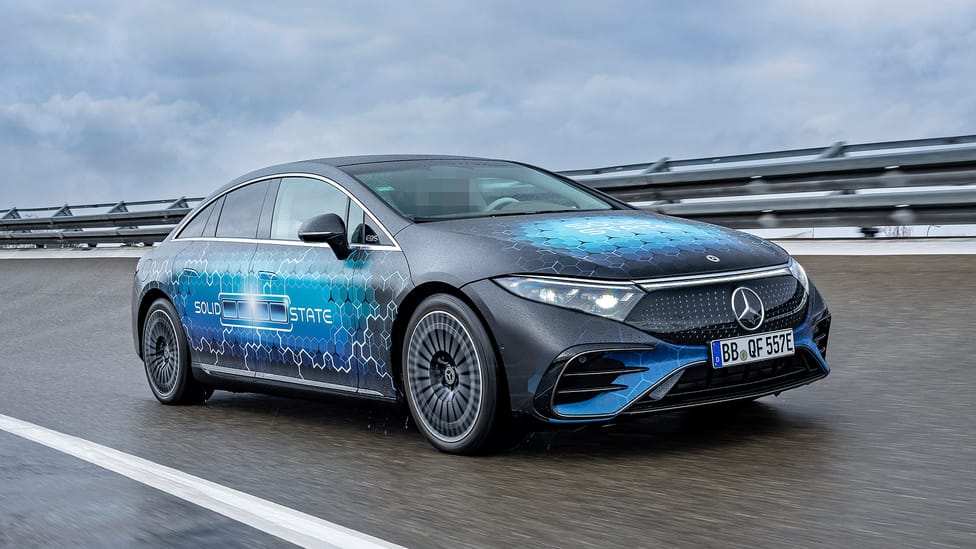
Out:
{"x": 338, "y": 328}
{"x": 601, "y": 245}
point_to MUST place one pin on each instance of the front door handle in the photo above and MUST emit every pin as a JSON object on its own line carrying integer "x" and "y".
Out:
{"x": 267, "y": 275}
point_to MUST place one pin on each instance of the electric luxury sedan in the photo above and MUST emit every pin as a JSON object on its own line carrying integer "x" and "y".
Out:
{"x": 482, "y": 293}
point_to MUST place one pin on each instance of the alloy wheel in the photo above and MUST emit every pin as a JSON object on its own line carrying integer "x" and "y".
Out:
{"x": 444, "y": 376}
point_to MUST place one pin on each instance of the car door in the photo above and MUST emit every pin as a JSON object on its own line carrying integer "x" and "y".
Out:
{"x": 213, "y": 275}
{"x": 335, "y": 315}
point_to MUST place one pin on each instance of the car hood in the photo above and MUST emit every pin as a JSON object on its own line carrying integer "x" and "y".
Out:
{"x": 620, "y": 244}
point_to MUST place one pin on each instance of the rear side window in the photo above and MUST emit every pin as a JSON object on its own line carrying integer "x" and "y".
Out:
{"x": 195, "y": 227}
{"x": 211, "y": 227}
{"x": 241, "y": 212}
{"x": 300, "y": 199}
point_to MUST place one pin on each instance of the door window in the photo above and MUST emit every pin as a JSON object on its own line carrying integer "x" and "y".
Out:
{"x": 300, "y": 199}
{"x": 242, "y": 210}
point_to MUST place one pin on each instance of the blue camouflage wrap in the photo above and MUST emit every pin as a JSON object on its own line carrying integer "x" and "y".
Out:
{"x": 296, "y": 312}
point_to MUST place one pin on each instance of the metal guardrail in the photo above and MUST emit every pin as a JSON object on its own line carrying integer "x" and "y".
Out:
{"x": 805, "y": 188}
{"x": 118, "y": 224}
{"x": 942, "y": 207}
{"x": 813, "y": 187}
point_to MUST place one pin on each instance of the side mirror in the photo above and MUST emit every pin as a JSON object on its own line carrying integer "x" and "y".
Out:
{"x": 328, "y": 228}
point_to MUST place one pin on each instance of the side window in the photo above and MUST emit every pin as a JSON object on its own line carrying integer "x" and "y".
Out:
{"x": 359, "y": 227}
{"x": 301, "y": 198}
{"x": 241, "y": 212}
{"x": 354, "y": 224}
{"x": 195, "y": 227}
{"x": 211, "y": 227}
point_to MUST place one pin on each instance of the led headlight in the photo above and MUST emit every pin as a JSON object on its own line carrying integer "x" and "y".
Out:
{"x": 607, "y": 300}
{"x": 800, "y": 274}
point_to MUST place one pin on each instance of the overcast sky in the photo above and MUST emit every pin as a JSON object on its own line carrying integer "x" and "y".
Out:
{"x": 102, "y": 101}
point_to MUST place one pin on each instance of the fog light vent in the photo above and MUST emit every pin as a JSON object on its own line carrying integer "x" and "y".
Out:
{"x": 590, "y": 374}
{"x": 820, "y": 333}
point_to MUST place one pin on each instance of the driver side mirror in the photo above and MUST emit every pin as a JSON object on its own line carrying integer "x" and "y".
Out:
{"x": 328, "y": 228}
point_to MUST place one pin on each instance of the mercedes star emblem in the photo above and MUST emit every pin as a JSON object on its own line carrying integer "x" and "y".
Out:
{"x": 748, "y": 308}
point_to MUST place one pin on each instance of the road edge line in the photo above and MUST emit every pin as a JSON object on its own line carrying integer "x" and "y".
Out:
{"x": 277, "y": 520}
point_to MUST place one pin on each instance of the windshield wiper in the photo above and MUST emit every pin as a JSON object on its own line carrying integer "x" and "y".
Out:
{"x": 423, "y": 219}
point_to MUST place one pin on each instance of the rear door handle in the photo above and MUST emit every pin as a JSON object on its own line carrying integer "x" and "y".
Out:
{"x": 190, "y": 272}
{"x": 267, "y": 275}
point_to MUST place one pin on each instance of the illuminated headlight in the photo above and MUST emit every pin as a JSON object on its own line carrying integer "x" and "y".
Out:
{"x": 611, "y": 300}
{"x": 800, "y": 274}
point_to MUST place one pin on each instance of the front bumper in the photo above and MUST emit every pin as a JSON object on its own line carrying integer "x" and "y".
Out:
{"x": 568, "y": 367}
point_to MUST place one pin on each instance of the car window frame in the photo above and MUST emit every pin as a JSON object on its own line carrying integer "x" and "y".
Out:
{"x": 383, "y": 231}
{"x": 257, "y": 222}
{"x": 345, "y": 212}
{"x": 614, "y": 203}
{"x": 209, "y": 209}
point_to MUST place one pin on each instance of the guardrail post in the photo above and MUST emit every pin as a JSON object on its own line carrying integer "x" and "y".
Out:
{"x": 178, "y": 203}
{"x": 118, "y": 208}
{"x": 834, "y": 151}
{"x": 63, "y": 211}
{"x": 659, "y": 166}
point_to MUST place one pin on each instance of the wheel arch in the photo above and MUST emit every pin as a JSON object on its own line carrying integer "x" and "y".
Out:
{"x": 405, "y": 311}
{"x": 150, "y": 297}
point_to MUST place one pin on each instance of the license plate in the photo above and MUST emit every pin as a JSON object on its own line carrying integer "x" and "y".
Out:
{"x": 743, "y": 350}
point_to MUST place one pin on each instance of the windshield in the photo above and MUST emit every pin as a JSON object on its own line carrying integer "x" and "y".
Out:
{"x": 432, "y": 190}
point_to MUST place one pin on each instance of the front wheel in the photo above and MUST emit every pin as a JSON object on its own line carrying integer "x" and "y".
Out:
{"x": 450, "y": 376}
{"x": 166, "y": 355}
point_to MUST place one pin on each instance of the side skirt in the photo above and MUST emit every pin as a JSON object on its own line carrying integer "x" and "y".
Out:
{"x": 243, "y": 381}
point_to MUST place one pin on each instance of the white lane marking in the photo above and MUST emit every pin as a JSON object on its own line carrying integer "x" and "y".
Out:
{"x": 280, "y": 521}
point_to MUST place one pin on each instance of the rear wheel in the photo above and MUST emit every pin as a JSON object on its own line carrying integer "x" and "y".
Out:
{"x": 166, "y": 355}
{"x": 451, "y": 376}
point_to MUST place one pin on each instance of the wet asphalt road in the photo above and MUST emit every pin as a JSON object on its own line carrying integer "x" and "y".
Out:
{"x": 879, "y": 454}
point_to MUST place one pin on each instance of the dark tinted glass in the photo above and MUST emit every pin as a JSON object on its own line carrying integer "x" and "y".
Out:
{"x": 430, "y": 190}
{"x": 195, "y": 227}
{"x": 354, "y": 224}
{"x": 362, "y": 229}
{"x": 241, "y": 212}
{"x": 211, "y": 227}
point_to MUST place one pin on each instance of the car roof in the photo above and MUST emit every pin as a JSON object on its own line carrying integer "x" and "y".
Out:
{"x": 340, "y": 161}
{"x": 331, "y": 167}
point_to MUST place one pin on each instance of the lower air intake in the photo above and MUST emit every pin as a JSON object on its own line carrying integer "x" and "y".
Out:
{"x": 588, "y": 375}
{"x": 701, "y": 383}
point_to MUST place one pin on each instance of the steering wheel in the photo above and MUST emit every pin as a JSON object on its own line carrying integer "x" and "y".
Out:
{"x": 500, "y": 203}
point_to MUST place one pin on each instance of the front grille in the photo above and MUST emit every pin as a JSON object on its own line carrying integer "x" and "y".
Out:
{"x": 697, "y": 315}
{"x": 701, "y": 383}
{"x": 588, "y": 375}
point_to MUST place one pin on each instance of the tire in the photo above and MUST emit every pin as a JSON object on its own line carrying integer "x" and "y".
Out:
{"x": 451, "y": 376}
{"x": 166, "y": 355}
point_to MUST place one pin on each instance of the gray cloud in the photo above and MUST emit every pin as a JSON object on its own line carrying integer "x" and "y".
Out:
{"x": 106, "y": 100}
